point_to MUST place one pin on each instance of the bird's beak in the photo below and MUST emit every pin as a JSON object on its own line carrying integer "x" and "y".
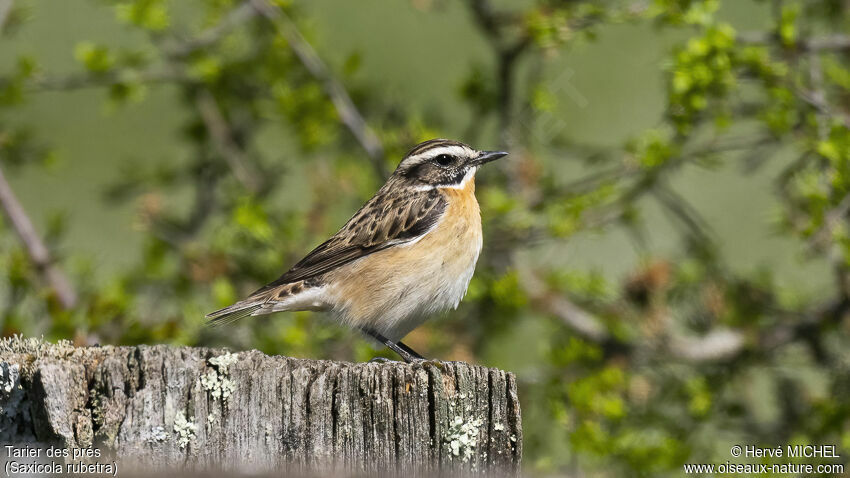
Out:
{"x": 487, "y": 156}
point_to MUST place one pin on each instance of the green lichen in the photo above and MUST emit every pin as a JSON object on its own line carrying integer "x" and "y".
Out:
{"x": 462, "y": 437}
{"x": 223, "y": 362}
{"x": 31, "y": 349}
{"x": 96, "y": 410}
{"x": 216, "y": 381}
{"x": 184, "y": 430}
{"x": 158, "y": 434}
{"x": 37, "y": 346}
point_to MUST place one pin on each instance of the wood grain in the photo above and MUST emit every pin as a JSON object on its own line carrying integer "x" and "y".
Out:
{"x": 257, "y": 412}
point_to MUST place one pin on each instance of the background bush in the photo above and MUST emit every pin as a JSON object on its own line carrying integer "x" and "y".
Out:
{"x": 667, "y": 252}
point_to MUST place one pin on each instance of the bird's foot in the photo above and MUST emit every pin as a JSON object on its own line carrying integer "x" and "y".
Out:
{"x": 383, "y": 360}
{"x": 432, "y": 362}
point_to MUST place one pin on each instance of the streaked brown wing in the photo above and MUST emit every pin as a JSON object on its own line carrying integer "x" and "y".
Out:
{"x": 386, "y": 220}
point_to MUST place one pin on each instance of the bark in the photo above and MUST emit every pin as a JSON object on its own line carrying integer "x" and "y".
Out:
{"x": 198, "y": 408}
{"x": 35, "y": 247}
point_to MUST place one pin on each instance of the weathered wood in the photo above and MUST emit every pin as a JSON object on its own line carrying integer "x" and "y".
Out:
{"x": 176, "y": 407}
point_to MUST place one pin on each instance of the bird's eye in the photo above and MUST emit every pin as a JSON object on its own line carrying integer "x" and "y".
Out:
{"x": 444, "y": 159}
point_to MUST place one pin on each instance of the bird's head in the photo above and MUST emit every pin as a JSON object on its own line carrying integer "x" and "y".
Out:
{"x": 442, "y": 163}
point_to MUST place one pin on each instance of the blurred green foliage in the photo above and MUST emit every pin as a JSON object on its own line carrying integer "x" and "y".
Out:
{"x": 682, "y": 359}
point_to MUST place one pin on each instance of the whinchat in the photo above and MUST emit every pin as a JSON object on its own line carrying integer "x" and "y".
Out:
{"x": 407, "y": 254}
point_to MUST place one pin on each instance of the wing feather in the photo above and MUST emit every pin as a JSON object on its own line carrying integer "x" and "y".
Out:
{"x": 386, "y": 220}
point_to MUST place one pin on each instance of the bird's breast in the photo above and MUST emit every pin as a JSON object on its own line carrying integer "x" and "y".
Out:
{"x": 394, "y": 290}
{"x": 460, "y": 228}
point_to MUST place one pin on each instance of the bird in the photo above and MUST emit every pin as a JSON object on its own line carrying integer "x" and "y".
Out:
{"x": 407, "y": 254}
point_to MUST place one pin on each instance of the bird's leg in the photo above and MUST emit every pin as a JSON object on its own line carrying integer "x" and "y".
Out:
{"x": 409, "y": 350}
{"x": 408, "y": 354}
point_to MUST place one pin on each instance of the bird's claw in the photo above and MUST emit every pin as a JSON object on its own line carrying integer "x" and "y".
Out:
{"x": 423, "y": 362}
{"x": 382, "y": 360}
{"x": 434, "y": 363}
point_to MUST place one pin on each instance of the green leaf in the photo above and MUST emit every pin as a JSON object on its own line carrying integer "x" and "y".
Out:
{"x": 151, "y": 15}
{"x": 95, "y": 58}
{"x": 788, "y": 24}
{"x": 223, "y": 292}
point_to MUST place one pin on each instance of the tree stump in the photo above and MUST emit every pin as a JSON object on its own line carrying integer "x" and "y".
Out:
{"x": 199, "y": 408}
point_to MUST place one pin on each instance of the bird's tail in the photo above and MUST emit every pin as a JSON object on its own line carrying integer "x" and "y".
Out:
{"x": 241, "y": 309}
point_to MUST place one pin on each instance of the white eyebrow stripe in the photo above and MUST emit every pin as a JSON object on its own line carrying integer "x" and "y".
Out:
{"x": 452, "y": 150}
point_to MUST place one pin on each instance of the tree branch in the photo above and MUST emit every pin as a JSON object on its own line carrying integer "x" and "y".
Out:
{"x": 245, "y": 11}
{"x": 684, "y": 212}
{"x": 35, "y": 247}
{"x": 821, "y": 237}
{"x": 491, "y": 23}
{"x": 716, "y": 345}
{"x": 577, "y": 319}
{"x": 239, "y": 15}
{"x": 719, "y": 344}
{"x": 345, "y": 107}
{"x": 814, "y": 100}
{"x": 222, "y": 139}
{"x": 81, "y": 81}
{"x": 5, "y": 11}
{"x": 815, "y": 97}
{"x": 835, "y": 42}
